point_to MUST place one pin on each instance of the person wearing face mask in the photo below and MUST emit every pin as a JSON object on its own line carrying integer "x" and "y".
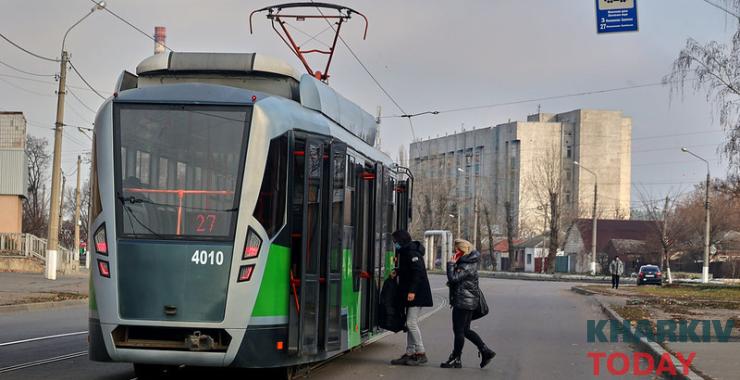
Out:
{"x": 415, "y": 293}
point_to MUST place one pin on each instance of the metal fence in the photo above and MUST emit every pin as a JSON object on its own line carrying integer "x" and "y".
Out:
{"x": 28, "y": 245}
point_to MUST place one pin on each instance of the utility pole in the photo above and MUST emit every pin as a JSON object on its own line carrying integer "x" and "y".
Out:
{"x": 667, "y": 257}
{"x": 61, "y": 203}
{"x": 705, "y": 268}
{"x": 77, "y": 213}
{"x": 56, "y": 169}
{"x": 594, "y": 226}
{"x": 56, "y": 172}
{"x": 593, "y": 234}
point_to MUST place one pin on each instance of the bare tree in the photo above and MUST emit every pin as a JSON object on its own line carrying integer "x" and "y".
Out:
{"x": 68, "y": 213}
{"x": 510, "y": 230}
{"x": 435, "y": 203}
{"x": 35, "y": 208}
{"x": 544, "y": 186}
{"x": 491, "y": 263}
{"x": 667, "y": 228}
{"x": 714, "y": 68}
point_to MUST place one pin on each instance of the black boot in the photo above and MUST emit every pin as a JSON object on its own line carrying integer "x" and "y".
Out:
{"x": 486, "y": 354}
{"x": 452, "y": 362}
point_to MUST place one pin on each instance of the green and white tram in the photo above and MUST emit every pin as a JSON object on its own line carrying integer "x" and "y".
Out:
{"x": 241, "y": 216}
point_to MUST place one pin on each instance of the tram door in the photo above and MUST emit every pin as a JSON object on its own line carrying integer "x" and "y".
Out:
{"x": 317, "y": 210}
{"x": 332, "y": 257}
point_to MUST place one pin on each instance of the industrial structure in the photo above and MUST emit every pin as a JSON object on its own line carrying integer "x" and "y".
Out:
{"x": 518, "y": 162}
{"x": 13, "y": 177}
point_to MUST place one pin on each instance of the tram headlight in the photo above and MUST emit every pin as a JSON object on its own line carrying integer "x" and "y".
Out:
{"x": 101, "y": 243}
{"x": 252, "y": 246}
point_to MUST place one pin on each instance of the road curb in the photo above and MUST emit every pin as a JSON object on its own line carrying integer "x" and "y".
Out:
{"x": 579, "y": 290}
{"x": 41, "y": 305}
{"x": 653, "y": 348}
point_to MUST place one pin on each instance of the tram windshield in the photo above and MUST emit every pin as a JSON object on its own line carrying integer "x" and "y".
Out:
{"x": 178, "y": 170}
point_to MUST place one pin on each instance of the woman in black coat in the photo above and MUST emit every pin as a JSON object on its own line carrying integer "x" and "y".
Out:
{"x": 462, "y": 279}
{"x": 415, "y": 293}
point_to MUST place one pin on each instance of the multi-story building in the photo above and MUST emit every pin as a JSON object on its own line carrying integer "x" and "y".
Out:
{"x": 521, "y": 162}
{"x": 13, "y": 181}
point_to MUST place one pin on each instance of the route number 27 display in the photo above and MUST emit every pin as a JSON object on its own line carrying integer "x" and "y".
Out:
{"x": 202, "y": 257}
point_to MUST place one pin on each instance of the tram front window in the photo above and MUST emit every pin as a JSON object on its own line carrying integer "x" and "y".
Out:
{"x": 179, "y": 170}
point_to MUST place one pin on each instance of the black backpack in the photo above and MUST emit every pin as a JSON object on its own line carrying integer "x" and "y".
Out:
{"x": 391, "y": 313}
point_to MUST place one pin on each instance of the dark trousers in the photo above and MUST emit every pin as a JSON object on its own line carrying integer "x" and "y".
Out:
{"x": 461, "y": 328}
{"x": 615, "y": 281}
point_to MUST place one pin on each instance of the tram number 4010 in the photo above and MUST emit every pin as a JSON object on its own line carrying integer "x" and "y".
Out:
{"x": 202, "y": 257}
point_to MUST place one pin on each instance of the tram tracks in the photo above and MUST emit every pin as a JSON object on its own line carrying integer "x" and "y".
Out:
{"x": 39, "y": 362}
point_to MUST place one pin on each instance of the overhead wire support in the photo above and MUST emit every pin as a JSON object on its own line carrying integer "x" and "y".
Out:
{"x": 275, "y": 15}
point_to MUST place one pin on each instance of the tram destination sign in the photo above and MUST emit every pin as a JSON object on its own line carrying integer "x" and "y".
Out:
{"x": 616, "y": 16}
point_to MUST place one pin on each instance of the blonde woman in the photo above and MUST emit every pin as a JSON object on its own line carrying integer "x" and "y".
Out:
{"x": 462, "y": 279}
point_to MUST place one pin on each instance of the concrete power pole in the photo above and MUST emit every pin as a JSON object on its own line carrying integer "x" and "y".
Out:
{"x": 667, "y": 258}
{"x": 77, "y": 213}
{"x": 61, "y": 201}
{"x": 56, "y": 172}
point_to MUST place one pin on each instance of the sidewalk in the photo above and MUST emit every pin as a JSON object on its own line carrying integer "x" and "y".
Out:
{"x": 716, "y": 361}
{"x": 27, "y": 288}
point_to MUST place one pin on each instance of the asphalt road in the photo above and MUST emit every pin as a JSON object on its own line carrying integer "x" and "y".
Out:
{"x": 538, "y": 330}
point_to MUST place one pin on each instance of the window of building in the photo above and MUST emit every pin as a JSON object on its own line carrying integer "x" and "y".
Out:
{"x": 569, "y": 153}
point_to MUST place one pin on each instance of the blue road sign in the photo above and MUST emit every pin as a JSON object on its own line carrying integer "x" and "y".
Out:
{"x": 616, "y": 16}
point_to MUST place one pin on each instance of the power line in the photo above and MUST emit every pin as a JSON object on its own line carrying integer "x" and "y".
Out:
{"x": 107, "y": 9}
{"x": 41, "y": 81}
{"x": 85, "y": 81}
{"x": 27, "y": 51}
{"x": 380, "y": 86}
{"x": 722, "y": 8}
{"x": 24, "y": 89}
{"x": 531, "y": 100}
{"x": 80, "y": 100}
{"x": 25, "y": 72}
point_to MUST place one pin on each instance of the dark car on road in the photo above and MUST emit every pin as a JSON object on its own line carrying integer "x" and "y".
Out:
{"x": 649, "y": 274}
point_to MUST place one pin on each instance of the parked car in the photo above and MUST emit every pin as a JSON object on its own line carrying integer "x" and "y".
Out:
{"x": 649, "y": 274}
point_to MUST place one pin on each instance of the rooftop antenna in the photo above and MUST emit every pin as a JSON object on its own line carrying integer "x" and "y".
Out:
{"x": 336, "y": 13}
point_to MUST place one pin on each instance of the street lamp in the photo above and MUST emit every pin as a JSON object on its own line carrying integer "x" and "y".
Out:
{"x": 705, "y": 268}
{"x": 593, "y": 233}
{"x": 54, "y": 212}
{"x": 458, "y": 223}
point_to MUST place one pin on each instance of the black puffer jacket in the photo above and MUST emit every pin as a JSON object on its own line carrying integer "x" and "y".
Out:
{"x": 462, "y": 278}
{"x": 412, "y": 275}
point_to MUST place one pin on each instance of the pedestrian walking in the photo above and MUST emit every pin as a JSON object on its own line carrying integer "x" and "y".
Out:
{"x": 616, "y": 269}
{"x": 465, "y": 299}
{"x": 415, "y": 293}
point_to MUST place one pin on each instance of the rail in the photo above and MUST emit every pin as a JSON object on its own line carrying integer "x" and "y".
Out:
{"x": 29, "y": 245}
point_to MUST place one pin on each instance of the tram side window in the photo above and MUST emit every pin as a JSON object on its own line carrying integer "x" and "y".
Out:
{"x": 349, "y": 206}
{"x": 270, "y": 209}
{"x": 96, "y": 206}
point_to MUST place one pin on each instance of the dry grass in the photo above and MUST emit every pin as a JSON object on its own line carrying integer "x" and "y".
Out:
{"x": 691, "y": 293}
{"x": 632, "y": 313}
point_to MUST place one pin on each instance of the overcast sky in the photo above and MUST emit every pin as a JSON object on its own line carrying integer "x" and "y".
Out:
{"x": 429, "y": 55}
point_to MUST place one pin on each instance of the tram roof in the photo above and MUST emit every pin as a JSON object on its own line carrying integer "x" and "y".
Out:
{"x": 245, "y": 63}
